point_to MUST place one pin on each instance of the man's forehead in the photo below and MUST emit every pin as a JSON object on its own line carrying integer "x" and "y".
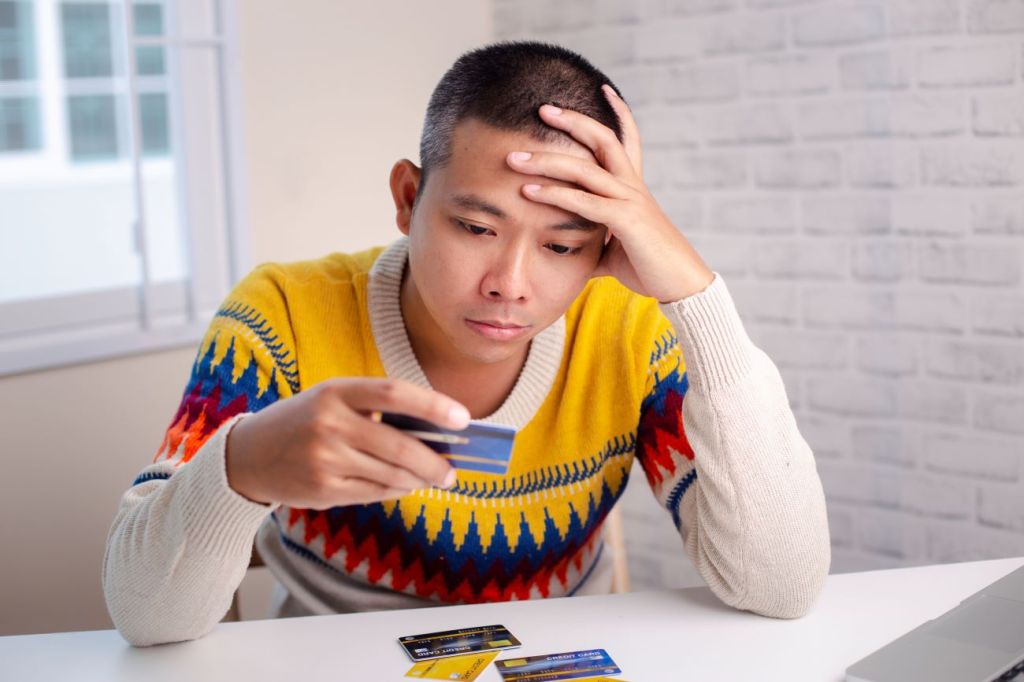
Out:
{"x": 478, "y": 160}
{"x": 473, "y": 136}
{"x": 483, "y": 204}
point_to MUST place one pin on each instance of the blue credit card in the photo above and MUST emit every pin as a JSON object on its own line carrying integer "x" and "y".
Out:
{"x": 486, "y": 448}
{"x": 571, "y": 665}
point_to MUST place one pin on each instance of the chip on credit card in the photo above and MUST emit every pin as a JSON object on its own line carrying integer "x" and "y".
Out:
{"x": 486, "y": 448}
{"x": 571, "y": 665}
{"x": 457, "y": 642}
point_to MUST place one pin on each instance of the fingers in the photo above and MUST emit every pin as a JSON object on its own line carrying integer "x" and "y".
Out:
{"x": 368, "y": 466}
{"x": 362, "y": 491}
{"x": 620, "y": 162}
{"x": 404, "y": 461}
{"x": 582, "y": 172}
{"x": 403, "y": 397}
{"x": 595, "y": 208}
{"x": 630, "y": 131}
{"x": 598, "y": 137}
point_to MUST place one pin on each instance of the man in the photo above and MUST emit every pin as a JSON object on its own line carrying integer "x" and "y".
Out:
{"x": 538, "y": 285}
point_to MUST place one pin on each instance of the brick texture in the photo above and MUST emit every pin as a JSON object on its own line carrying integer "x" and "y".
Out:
{"x": 855, "y": 169}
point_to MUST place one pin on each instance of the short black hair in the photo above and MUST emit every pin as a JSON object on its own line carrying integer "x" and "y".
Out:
{"x": 503, "y": 85}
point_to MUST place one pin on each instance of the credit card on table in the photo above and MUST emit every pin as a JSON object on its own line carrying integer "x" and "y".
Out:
{"x": 486, "y": 448}
{"x": 457, "y": 642}
{"x": 466, "y": 668}
{"x": 571, "y": 665}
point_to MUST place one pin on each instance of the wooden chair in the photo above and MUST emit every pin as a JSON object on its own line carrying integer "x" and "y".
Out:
{"x": 614, "y": 535}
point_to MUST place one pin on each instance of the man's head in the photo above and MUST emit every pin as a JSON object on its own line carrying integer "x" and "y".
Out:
{"x": 503, "y": 85}
{"x": 479, "y": 249}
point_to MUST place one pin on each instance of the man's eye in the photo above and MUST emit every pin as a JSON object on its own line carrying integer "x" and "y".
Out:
{"x": 563, "y": 250}
{"x": 474, "y": 229}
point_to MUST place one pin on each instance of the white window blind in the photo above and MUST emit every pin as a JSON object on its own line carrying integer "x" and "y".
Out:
{"x": 120, "y": 176}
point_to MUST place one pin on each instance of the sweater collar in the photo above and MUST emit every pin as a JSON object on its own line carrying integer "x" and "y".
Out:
{"x": 396, "y": 354}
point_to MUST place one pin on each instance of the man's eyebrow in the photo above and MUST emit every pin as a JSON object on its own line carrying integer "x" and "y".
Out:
{"x": 473, "y": 202}
{"x": 577, "y": 223}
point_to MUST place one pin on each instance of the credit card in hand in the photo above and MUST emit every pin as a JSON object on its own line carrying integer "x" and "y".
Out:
{"x": 457, "y": 642}
{"x": 486, "y": 448}
{"x": 572, "y": 665}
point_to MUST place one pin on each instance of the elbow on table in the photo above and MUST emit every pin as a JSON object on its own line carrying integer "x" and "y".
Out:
{"x": 144, "y": 622}
{"x": 788, "y": 604}
{"x": 143, "y": 629}
{"x": 789, "y": 592}
{"x": 786, "y": 586}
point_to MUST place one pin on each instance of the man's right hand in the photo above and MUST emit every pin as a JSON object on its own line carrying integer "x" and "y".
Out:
{"x": 321, "y": 448}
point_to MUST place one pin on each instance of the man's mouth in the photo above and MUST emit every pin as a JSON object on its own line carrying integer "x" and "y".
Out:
{"x": 500, "y": 324}
{"x": 498, "y": 330}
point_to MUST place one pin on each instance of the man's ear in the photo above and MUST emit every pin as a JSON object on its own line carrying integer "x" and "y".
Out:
{"x": 405, "y": 179}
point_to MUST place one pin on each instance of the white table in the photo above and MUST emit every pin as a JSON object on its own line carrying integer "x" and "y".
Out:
{"x": 677, "y": 635}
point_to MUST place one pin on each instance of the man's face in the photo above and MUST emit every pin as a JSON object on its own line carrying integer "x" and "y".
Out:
{"x": 489, "y": 267}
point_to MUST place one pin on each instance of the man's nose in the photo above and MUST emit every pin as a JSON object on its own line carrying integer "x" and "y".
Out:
{"x": 508, "y": 277}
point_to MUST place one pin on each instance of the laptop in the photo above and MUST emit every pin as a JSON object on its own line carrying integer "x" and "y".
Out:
{"x": 981, "y": 640}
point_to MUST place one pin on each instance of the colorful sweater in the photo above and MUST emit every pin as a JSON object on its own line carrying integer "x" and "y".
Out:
{"x": 601, "y": 387}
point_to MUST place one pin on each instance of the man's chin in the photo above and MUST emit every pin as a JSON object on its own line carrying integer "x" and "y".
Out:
{"x": 494, "y": 356}
{"x": 484, "y": 352}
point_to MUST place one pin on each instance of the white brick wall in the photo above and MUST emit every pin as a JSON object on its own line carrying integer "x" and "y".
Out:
{"x": 855, "y": 168}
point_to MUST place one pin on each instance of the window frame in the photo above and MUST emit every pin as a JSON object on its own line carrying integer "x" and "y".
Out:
{"x": 88, "y": 326}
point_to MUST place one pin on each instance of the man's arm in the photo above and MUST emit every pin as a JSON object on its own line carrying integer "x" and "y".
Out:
{"x": 747, "y": 498}
{"x": 180, "y": 542}
{"x": 244, "y": 440}
{"x": 178, "y": 549}
{"x": 740, "y": 481}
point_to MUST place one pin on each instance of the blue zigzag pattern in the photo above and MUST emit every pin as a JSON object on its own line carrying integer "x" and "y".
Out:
{"x": 259, "y": 326}
{"x": 468, "y": 560}
{"x": 659, "y": 420}
{"x": 211, "y": 393}
{"x": 305, "y": 553}
{"x": 209, "y": 380}
{"x": 663, "y": 345}
{"x": 151, "y": 476}
{"x": 550, "y": 477}
{"x": 675, "y": 497}
{"x": 673, "y": 380}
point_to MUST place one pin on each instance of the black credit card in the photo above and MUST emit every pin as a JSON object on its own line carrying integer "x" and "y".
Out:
{"x": 455, "y": 642}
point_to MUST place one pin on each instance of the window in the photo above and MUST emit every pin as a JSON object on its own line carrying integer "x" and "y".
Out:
{"x": 18, "y": 128}
{"x": 119, "y": 180}
{"x": 19, "y": 100}
{"x": 96, "y": 122}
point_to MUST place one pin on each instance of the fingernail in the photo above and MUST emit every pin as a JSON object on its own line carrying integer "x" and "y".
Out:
{"x": 553, "y": 109}
{"x": 521, "y": 156}
{"x": 458, "y": 416}
{"x": 450, "y": 479}
{"x": 531, "y": 188}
